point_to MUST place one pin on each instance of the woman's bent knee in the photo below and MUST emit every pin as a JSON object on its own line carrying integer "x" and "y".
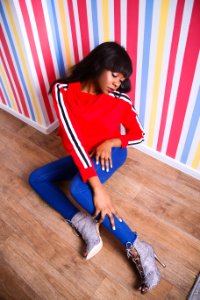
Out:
{"x": 35, "y": 177}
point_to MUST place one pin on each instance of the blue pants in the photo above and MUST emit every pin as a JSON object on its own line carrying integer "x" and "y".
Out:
{"x": 43, "y": 181}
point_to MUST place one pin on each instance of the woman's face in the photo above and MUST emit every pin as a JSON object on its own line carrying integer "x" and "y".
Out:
{"x": 109, "y": 81}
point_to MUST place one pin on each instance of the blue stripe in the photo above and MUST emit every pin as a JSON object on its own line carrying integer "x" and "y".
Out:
{"x": 5, "y": 93}
{"x": 17, "y": 62}
{"x": 56, "y": 37}
{"x": 95, "y": 22}
{"x": 145, "y": 59}
{"x": 192, "y": 129}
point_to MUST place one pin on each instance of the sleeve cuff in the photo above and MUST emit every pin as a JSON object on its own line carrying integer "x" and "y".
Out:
{"x": 87, "y": 173}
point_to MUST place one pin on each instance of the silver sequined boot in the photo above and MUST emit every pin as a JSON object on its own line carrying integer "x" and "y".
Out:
{"x": 142, "y": 254}
{"x": 89, "y": 230}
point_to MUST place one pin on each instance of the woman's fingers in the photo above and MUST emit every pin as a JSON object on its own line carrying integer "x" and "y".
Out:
{"x": 112, "y": 222}
{"x": 118, "y": 216}
{"x": 106, "y": 163}
{"x": 105, "y": 159}
{"x": 111, "y": 217}
{"x": 102, "y": 163}
{"x": 97, "y": 158}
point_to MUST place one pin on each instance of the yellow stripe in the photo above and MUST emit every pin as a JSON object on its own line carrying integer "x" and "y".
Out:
{"x": 158, "y": 66}
{"x": 106, "y": 32}
{"x": 196, "y": 159}
{"x": 23, "y": 62}
{"x": 65, "y": 35}
{"x": 8, "y": 88}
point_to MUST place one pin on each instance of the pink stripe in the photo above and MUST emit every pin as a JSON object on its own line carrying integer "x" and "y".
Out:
{"x": 173, "y": 52}
{"x": 83, "y": 19}
{"x": 73, "y": 30}
{"x": 2, "y": 98}
{"x": 11, "y": 84}
{"x": 187, "y": 74}
{"x": 117, "y": 21}
{"x": 132, "y": 39}
{"x": 36, "y": 60}
{"x": 14, "y": 74}
{"x": 44, "y": 41}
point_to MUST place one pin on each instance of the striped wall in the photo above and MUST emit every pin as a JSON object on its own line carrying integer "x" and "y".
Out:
{"x": 40, "y": 39}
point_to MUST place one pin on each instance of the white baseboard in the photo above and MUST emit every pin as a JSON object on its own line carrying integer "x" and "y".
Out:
{"x": 169, "y": 161}
{"x": 43, "y": 129}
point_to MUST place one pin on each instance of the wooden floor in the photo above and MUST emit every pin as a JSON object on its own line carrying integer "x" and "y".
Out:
{"x": 40, "y": 257}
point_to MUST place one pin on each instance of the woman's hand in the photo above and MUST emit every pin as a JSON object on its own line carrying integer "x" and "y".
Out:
{"x": 104, "y": 206}
{"x": 103, "y": 153}
{"x": 102, "y": 202}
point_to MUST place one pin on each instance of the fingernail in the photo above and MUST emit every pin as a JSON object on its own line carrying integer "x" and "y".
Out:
{"x": 114, "y": 228}
{"x": 97, "y": 162}
{"x": 103, "y": 169}
{"x": 107, "y": 170}
{"x": 120, "y": 219}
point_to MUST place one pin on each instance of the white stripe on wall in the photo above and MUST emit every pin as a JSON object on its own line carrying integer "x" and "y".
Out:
{"x": 123, "y": 12}
{"x": 111, "y": 19}
{"x": 142, "y": 5}
{"x": 90, "y": 24}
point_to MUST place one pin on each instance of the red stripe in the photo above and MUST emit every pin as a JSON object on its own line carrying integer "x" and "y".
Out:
{"x": 83, "y": 19}
{"x": 73, "y": 30}
{"x": 117, "y": 21}
{"x": 14, "y": 74}
{"x": 11, "y": 84}
{"x": 36, "y": 60}
{"x": 187, "y": 74}
{"x": 44, "y": 41}
{"x": 132, "y": 39}
{"x": 172, "y": 59}
{"x": 2, "y": 97}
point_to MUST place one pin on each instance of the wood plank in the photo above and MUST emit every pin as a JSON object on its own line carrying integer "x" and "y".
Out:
{"x": 12, "y": 286}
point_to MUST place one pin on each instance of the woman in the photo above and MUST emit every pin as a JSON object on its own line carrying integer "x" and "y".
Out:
{"x": 91, "y": 106}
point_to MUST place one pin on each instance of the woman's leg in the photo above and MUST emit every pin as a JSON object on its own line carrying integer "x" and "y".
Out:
{"x": 43, "y": 181}
{"x": 82, "y": 193}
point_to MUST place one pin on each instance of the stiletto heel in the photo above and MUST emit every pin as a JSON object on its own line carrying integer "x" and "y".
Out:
{"x": 161, "y": 263}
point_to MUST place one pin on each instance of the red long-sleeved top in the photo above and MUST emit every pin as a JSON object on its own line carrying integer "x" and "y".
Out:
{"x": 86, "y": 120}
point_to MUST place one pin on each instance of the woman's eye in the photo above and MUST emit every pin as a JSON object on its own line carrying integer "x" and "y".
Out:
{"x": 114, "y": 75}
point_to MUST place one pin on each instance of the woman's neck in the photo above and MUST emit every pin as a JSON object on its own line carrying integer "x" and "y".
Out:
{"x": 89, "y": 87}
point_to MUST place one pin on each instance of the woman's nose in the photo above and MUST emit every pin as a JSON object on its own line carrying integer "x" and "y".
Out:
{"x": 116, "y": 83}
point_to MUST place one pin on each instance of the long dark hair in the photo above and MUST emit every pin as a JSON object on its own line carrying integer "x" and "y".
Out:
{"x": 108, "y": 55}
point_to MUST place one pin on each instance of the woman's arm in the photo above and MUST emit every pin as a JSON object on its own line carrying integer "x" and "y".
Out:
{"x": 102, "y": 201}
{"x": 71, "y": 132}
